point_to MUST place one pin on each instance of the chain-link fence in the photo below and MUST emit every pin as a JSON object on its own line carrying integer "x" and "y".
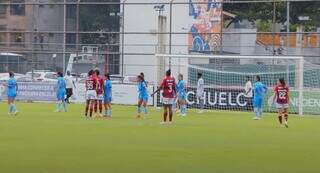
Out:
{"x": 121, "y": 37}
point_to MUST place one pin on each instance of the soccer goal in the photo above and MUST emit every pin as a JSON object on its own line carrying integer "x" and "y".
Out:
{"x": 225, "y": 77}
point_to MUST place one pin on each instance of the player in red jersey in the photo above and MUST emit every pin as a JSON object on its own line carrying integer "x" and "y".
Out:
{"x": 281, "y": 99}
{"x": 91, "y": 94}
{"x": 99, "y": 93}
{"x": 168, "y": 85}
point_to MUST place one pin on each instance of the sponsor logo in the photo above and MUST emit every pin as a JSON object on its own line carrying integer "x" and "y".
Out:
{"x": 217, "y": 98}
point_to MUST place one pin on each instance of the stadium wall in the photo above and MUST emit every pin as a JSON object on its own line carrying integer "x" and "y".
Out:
{"x": 46, "y": 92}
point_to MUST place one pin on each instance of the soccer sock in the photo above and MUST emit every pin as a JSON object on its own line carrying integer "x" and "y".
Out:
{"x": 58, "y": 106}
{"x": 184, "y": 109}
{"x": 10, "y": 108}
{"x": 110, "y": 112}
{"x": 260, "y": 112}
{"x": 256, "y": 111}
{"x": 164, "y": 117}
{"x": 64, "y": 106}
{"x": 286, "y": 116}
{"x": 280, "y": 119}
{"x": 139, "y": 109}
{"x": 87, "y": 108}
{"x": 95, "y": 107}
{"x": 91, "y": 110}
{"x": 145, "y": 110}
{"x": 100, "y": 107}
{"x": 14, "y": 108}
{"x": 170, "y": 117}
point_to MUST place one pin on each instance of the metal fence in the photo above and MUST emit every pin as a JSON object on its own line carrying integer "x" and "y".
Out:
{"x": 121, "y": 37}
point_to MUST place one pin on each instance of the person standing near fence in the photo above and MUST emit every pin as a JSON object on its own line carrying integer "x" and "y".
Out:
{"x": 200, "y": 92}
{"x": 168, "y": 85}
{"x": 143, "y": 96}
{"x": 248, "y": 92}
{"x": 281, "y": 99}
{"x": 259, "y": 91}
{"x": 91, "y": 92}
{"x": 70, "y": 84}
{"x": 61, "y": 93}
{"x": 107, "y": 95}
{"x": 12, "y": 93}
{"x": 100, "y": 98}
{"x": 182, "y": 95}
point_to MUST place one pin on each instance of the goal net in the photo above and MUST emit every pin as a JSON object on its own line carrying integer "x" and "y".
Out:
{"x": 225, "y": 78}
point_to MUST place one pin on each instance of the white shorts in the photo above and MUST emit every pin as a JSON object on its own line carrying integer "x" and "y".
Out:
{"x": 91, "y": 95}
{"x": 100, "y": 97}
{"x": 168, "y": 101}
{"x": 282, "y": 106}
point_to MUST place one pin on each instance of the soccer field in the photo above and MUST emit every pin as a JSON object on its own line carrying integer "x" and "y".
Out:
{"x": 41, "y": 141}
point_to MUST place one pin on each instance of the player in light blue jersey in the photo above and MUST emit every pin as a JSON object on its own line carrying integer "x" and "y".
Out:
{"x": 259, "y": 91}
{"x": 143, "y": 96}
{"x": 12, "y": 89}
{"x": 61, "y": 93}
{"x": 182, "y": 95}
{"x": 107, "y": 95}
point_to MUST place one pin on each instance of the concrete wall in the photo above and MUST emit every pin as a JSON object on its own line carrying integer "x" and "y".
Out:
{"x": 143, "y": 18}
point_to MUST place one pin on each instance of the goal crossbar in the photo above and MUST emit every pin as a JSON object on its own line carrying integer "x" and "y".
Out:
{"x": 229, "y": 56}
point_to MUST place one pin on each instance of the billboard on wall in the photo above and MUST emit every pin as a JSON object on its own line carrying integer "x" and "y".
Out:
{"x": 40, "y": 91}
{"x": 217, "y": 98}
{"x": 310, "y": 102}
{"x": 32, "y": 91}
{"x": 206, "y": 18}
{"x": 121, "y": 94}
{"x": 234, "y": 99}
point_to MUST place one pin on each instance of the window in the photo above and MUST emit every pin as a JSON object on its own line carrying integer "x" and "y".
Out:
{"x": 17, "y": 39}
{"x": 71, "y": 40}
{"x": 2, "y": 39}
{"x": 3, "y": 10}
{"x": 18, "y": 8}
{"x": 71, "y": 11}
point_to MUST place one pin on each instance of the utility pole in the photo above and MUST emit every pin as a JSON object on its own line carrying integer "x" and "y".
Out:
{"x": 274, "y": 29}
{"x": 77, "y": 27}
{"x": 64, "y": 37}
{"x": 122, "y": 39}
{"x": 288, "y": 25}
{"x": 170, "y": 34}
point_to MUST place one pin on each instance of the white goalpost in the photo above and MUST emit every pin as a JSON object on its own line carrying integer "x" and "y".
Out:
{"x": 225, "y": 78}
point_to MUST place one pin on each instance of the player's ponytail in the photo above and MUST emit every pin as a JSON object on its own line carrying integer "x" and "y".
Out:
{"x": 258, "y": 78}
{"x": 107, "y": 75}
{"x": 90, "y": 73}
{"x": 282, "y": 82}
{"x": 59, "y": 74}
{"x": 168, "y": 72}
{"x": 11, "y": 74}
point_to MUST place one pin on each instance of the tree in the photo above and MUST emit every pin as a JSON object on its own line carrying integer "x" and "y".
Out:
{"x": 99, "y": 18}
{"x": 262, "y": 13}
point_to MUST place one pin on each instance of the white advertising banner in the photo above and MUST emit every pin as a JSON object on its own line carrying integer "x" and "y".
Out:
{"x": 121, "y": 94}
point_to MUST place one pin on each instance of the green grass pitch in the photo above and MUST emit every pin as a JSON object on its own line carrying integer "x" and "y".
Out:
{"x": 41, "y": 141}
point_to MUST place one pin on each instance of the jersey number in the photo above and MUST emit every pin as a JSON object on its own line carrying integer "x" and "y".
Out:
{"x": 282, "y": 95}
{"x": 90, "y": 85}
